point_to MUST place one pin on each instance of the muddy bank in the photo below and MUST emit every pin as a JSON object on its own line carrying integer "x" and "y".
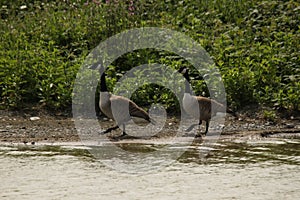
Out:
{"x": 31, "y": 127}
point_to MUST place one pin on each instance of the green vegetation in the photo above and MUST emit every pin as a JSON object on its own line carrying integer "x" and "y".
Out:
{"x": 269, "y": 115}
{"x": 255, "y": 44}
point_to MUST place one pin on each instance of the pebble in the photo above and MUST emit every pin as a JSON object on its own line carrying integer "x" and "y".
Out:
{"x": 289, "y": 125}
{"x": 34, "y": 118}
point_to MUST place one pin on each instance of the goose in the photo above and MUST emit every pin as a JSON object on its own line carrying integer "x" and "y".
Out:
{"x": 199, "y": 107}
{"x": 118, "y": 108}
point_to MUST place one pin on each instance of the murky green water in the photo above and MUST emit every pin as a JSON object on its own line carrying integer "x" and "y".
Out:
{"x": 232, "y": 169}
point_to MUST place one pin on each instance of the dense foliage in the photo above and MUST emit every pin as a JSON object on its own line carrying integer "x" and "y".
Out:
{"x": 255, "y": 44}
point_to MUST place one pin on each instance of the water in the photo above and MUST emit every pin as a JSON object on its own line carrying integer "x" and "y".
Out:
{"x": 232, "y": 169}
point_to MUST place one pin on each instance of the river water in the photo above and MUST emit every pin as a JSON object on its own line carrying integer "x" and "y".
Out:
{"x": 230, "y": 169}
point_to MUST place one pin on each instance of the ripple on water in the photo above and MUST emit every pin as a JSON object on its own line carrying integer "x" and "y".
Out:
{"x": 231, "y": 170}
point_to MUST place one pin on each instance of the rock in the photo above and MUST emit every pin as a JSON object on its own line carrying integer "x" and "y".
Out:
{"x": 289, "y": 126}
{"x": 34, "y": 118}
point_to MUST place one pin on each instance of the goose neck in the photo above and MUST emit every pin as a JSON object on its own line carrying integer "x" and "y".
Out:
{"x": 187, "y": 83}
{"x": 103, "y": 87}
{"x": 187, "y": 87}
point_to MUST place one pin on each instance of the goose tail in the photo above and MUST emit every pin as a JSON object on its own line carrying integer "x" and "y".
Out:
{"x": 152, "y": 121}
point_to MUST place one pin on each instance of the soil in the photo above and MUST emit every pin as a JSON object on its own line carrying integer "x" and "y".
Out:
{"x": 33, "y": 126}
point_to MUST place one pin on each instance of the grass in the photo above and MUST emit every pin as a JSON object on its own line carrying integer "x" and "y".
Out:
{"x": 255, "y": 45}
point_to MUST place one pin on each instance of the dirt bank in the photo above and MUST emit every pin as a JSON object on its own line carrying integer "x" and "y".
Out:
{"x": 39, "y": 126}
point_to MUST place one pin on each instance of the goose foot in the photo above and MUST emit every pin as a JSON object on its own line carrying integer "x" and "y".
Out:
{"x": 198, "y": 135}
{"x": 123, "y": 136}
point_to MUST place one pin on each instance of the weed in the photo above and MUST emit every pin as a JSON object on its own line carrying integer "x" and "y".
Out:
{"x": 255, "y": 44}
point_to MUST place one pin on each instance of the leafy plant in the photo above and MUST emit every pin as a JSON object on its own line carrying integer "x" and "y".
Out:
{"x": 255, "y": 45}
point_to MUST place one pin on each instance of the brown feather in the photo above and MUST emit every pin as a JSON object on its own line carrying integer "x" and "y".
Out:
{"x": 136, "y": 111}
{"x": 205, "y": 107}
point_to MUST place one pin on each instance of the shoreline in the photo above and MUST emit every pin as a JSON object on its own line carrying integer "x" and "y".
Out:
{"x": 30, "y": 128}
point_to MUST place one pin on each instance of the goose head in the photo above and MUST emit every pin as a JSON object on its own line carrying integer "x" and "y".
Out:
{"x": 185, "y": 72}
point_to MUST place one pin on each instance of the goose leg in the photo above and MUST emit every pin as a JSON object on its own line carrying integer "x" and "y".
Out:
{"x": 199, "y": 135}
{"x": 206, "y": 129}
{"x": 110, "y": 129}
{"x": 124, "y": 132}
{"x": 114, "y": 128}
{"x": 193, "y": 125}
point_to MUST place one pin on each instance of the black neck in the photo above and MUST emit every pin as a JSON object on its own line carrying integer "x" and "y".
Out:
{"x": 187, "y": 83}
{"x": 103, "y": 87}
{"x": 187, "y": 87}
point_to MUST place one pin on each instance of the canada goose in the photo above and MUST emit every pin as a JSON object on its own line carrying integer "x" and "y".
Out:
{"x": 118, "y": 108}
{"x": 198, "y": 106}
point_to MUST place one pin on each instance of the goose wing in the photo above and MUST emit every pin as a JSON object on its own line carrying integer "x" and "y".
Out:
{"x": 136, "y": 111}
{"x": 204, "y": 107}
{"x": 209, "y": 106}
{"x": 125, "y": 108}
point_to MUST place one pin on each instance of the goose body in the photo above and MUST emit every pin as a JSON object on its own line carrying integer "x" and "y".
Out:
{"x": 205, "y": 107}
{"x": 118, "y": 108}
{"x": 199, "y": 107}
